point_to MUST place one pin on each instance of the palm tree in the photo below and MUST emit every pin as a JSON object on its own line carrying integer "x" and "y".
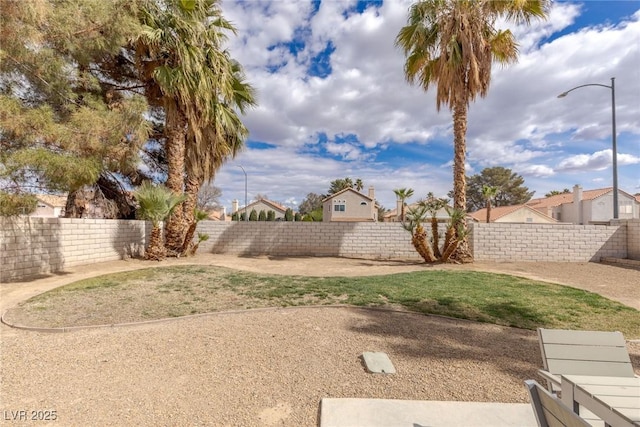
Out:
{"x": 359, "y": 184}
{"x": 221, "y": 140}
{"x": 403, "y": 194}
{"x": 451, "y": 44}
{"x": 188, "y": 75}
{"x": 489, "y": 193}
{"x": 156, "y": 202}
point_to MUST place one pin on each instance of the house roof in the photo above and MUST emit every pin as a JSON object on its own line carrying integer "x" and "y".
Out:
{"x": 52, "y": 200}
{"x": 560, "y": 199}
{"x": 274, "y": 205}
{"x": 344, "y": 191}
{"x": 502, "y": 211}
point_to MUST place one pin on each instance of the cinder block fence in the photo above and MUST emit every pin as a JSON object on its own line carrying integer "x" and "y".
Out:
{"x": 34, "y": 246}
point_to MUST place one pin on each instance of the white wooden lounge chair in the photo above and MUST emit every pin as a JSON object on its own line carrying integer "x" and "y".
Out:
{"x": 549, "y": 410}
{"x": 566, "y": 352}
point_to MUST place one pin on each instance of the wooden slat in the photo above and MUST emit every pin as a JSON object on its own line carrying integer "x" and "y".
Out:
{"x": 557, "y": 414}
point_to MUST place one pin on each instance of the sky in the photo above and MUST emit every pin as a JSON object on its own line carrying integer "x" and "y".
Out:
{"x": 333, "y": 102}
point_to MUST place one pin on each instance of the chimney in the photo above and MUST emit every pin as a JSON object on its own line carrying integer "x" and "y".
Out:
{"x": 577, "y": 203}
{"x": 234, "y": 206}
{"x": 399, "y": 208}
{"x": 372, "y": 193}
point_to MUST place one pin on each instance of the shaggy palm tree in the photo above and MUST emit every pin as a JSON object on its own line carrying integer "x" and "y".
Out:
{"x": 452, "y": 44}
{"x": 489, "y": 193}
{"x": 156, "y": 202}
{"x": 403, "y": 194}
{"x": 188, "y": 74}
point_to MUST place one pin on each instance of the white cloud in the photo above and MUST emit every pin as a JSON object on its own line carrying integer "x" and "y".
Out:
{"x": 520, "y": 124}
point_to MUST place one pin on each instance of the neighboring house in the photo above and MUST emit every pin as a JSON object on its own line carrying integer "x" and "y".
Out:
{"x": 219, "y": 214}
{"x": 513, "y": 214}
{"x": 50, "y": 206}
{"x": 260, "y": 205}
{"x": 587, "y": 207}
{"x": 350, "y": 205}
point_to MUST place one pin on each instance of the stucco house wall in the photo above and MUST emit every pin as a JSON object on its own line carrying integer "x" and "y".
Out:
{"x": 349, "y": 205}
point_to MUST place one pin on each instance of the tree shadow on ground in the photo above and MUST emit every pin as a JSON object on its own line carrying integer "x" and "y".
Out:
{"x": 513, "y": 351}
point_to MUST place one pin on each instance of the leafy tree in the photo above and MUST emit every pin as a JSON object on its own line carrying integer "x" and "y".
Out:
{"x": 288, "y": 214}
{"x": 489, "y": 193}
{"x": 403, "y": 194}
{"x": 271, "y": 216}
{"x": 315, "y": 216}
{"x": 17, "y": 204}
{"x": 253, "y": 215}
{"x": 209, "y": 197}
{"x": 243, "y": 216}
{"x": 510, "y": 185}
{"x": 310, "y": 203}
{"x": 557, "y": 192}
{"x": 452, "y": 44}
{"x": 156, "y": 203}
{"x": 262, "y": 216}
{"x": 297, "y": 217}
{"x": 63, "y": 125}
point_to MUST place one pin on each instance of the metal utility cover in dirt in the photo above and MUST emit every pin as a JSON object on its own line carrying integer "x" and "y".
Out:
{"x": 378, "y": 363}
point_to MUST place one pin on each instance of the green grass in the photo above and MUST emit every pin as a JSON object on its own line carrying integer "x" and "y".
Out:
{"x": 484, "y": 297}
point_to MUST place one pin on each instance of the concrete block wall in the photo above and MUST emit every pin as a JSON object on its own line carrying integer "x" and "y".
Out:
{"x": 548, "y": 242}
{"x": 373, "y": 240}
{"x": 633, "y": 238}
{"x": 33, "y": 246}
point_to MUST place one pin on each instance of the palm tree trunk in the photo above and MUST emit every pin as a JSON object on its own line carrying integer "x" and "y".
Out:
{"x": 191, "y": 191}
{"x": 155, "y": 251}
{"x": 176, "y": 131}
{"x": 488, "y": 211}
{"x": 419, "y": 241}
{"x": 434, "y": 235}
{"x": 462, "y": 252}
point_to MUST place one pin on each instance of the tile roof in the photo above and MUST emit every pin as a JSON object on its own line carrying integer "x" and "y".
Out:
{"x": 563, "y": 198}
{"x": 268, "y": 202}
{"x": 502, "y": 211}
{"x": 345, "y": 190}
{"x": 53, "y": 200}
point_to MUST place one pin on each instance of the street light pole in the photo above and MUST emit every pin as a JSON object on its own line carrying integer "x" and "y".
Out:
{"x": 246, "y": 215}
{"x": 613, "y": 137}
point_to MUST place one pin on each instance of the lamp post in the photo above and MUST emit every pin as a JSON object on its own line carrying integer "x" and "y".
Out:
{"x": 246, "y": 215}
{"x": 613, "y": 137}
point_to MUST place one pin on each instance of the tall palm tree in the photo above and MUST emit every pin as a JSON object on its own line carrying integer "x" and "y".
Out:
{"x": 359, "y": 184}
{"x": 403, "y": 194}
{"x": 156, "y": 202}
{"x": 221, "y": 139}
{"x": 489, "y": 193}
{"x": 451, "y": 44}
{"x": 188, "y": 74}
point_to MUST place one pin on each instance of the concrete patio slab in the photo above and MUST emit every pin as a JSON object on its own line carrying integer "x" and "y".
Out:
{"x": 418, "y": 413}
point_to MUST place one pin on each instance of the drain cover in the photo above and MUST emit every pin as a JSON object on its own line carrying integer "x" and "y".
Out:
{"x": 378, "y": 362}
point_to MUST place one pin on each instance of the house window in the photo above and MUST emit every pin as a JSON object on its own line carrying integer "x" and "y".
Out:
{"x": 626, "y": 207}
{"x": 363, "y": 203}
{"x": 338, "y": 208}
{"x": 529, "y": 219}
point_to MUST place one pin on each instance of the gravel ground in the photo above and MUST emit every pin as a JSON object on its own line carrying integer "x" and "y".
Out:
{"x": 266, "y": 367}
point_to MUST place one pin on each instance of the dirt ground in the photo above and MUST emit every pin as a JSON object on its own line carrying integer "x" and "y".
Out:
{"x": 273, "y": 367}
{"x": 615, "y": 282}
